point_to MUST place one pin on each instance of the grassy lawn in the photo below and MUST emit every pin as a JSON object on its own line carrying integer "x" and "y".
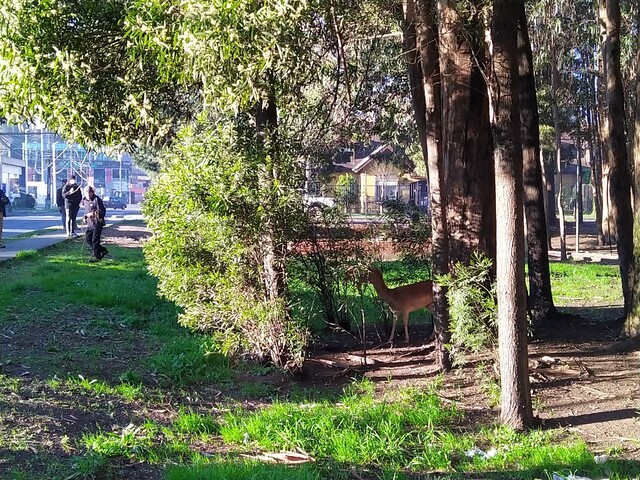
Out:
{"x": 589, "y": 284}
{"x": 98, "y": 381}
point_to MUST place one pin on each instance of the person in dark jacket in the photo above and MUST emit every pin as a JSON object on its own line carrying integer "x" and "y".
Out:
{"x": 4, "y": 201}
{"x": 94, "y": 213}
{"x": 72, "y": 194}
{"x": 60, "y": 204}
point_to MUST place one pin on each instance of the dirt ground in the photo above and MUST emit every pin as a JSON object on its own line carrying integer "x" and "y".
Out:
{"x": 575, "y": 385}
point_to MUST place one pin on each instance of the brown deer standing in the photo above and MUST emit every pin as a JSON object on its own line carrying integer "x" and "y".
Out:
{"x": 401, "y": 300}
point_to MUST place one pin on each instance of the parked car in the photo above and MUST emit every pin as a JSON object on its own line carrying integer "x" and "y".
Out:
{"x": 115, "y": 202}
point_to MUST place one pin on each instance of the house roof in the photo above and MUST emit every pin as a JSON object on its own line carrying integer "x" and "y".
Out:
{"x": 358, "y": 158}
{"x": 362, "y": 164}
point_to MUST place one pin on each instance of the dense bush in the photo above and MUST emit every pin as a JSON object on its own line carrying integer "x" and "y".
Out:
{"x": 346, "y": 191}
{"x": 208, "y": 210}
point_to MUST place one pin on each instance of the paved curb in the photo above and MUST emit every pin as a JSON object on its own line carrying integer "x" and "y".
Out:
{"x": 37, "y": 242}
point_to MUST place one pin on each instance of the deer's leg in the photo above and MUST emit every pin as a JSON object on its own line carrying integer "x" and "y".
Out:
{"x": 405, "y": 321}
{"x": 393, "y": 326}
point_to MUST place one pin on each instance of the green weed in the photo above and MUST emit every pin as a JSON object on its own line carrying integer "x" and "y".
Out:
{"x": 191, "y": 423}
{"x": 99, "y": 387}
{"x": 190, "y": 359}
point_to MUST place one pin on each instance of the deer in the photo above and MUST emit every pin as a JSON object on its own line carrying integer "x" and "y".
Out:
{"x": 401, "y": 300}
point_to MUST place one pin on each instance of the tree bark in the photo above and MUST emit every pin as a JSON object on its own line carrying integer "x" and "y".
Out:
{"x": 505, "y": 122}
{"x": 556, "y": 127}
{"x": 540, "y": 301}
{"x": 272, "y": 248}
{"x": 632, "y": 322}
{"x": 466, "y": 142}
{"x": 615, "y": 144}
{"x": 595, "y": 160}
{"x": 427, "y": 36}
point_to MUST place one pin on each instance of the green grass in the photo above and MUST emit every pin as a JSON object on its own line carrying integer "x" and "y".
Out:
{"x": 414, "y": 432}
{"x": 224, "y": 469}
{"x": 585, "y": 284}
{"x": 125, "y": 390}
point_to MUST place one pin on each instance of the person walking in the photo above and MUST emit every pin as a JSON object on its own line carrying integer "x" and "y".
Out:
{"x": 60, "y": 204}
{"x": 4, "y": 201}
{"x": 94, "y": 213}
{"x": 72, "y": 195}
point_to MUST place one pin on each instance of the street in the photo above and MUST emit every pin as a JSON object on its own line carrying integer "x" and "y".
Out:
{"x": 20, "y": 222}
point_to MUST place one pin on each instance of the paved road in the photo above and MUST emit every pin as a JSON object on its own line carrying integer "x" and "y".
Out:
{"x": 18, "y": 223}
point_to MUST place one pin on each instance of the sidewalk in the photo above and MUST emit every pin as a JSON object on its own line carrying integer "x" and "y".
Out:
{"x": 36, "y": 242}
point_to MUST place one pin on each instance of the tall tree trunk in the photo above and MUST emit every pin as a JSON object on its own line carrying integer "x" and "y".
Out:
{"x": 556, "y": 126}
{"x": 427, "y": 36}
{"x": 632, "y": 322}
{"x": 608, "y": 226}
{"x": 517, "y": 411}
{"x": 273, "y": 248}
{"x": 615, "y": 145}
{"x": 540, "y": 299}
{"x": 595, "y": 160}
{"x": 412, "y": 55}
{"x": 466, "y": 142}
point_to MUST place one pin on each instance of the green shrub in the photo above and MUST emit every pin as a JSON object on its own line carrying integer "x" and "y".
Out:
{"x": 472, "y": 307}
{"x": 346, "y": 191}
{"x": 215, "y": 209}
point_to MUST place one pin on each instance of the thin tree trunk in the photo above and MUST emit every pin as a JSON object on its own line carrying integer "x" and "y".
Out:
{"x": 608, "y": 226}
{"x": 620, "y": 173}
{"x": 549, "y": 205}
{"x": 632, "y": 322}
{"x": 428, "y": 46}
{"x": 517, "y": 411}
{"x": 540, "y": 299}
{"x": 556, "y": 127}
{"x": 595, "y": 162}
{"x": 466, "y": 143}
{"x": 273, "y": 249}
{"x": 412, "y": 55}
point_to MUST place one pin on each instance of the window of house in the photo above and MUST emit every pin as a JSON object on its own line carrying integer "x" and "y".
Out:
{"x": 386, "y": 189}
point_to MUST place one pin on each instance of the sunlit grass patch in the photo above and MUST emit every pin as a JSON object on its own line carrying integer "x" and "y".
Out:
{"x": 189, "y": 422}
{"x": 412, "y": 432}
{"x": 358, "y": 429}
{"x": 585, "y": 284}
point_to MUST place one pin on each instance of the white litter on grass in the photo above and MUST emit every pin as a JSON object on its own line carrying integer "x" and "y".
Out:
{"x": 571, "y": 476}
{"x": 600, "y": 459}
{"x": 476, "y": 452}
